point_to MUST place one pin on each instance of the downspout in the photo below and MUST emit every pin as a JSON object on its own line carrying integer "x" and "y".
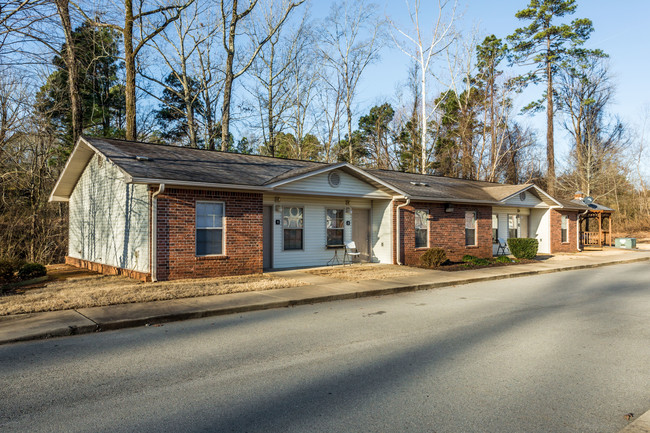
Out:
{"x": 154, "y": 219}
{"x": 578, "y": 229}
{"x": 398, "y": 243}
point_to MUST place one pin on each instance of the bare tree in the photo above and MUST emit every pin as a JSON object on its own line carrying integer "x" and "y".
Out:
{"x": 232, "y": 18}
{"x": 350, "y": 39}
{"x": 179, "y": 45}
{"x": 150, "y": 22}
{"x": 413, "y": 44}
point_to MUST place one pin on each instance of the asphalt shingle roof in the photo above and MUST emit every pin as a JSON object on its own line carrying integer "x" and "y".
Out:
{"x": 158, "y": 162}
{"x": 173, "y": 163}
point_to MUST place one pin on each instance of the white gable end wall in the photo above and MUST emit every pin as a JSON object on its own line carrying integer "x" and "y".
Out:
{"x": 319, "y": 184}
{"x": 529, "y": 201}
{"x": 109, "y": 219}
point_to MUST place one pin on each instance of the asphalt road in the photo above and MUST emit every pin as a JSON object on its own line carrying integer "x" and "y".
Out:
{"x": 565, "y": 352}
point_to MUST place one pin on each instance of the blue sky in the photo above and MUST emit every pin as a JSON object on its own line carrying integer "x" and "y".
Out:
{"x": 621, "y": 30}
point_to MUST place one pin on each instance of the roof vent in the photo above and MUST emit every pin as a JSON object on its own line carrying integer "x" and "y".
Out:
{"x": 334, "y": 179}
{"x": 142, "y": 158}
{"x": 419, "y": 184}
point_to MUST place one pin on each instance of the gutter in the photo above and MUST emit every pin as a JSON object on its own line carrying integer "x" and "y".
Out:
{"x": 154, "y": 218}
{"x": 398, "y": 246}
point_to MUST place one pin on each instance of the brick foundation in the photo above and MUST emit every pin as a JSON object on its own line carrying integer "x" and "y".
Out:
{"x": 107, "y": 269}
{"x": 556, "y": 232}
{"x": 446, "y": 231}
{"x": 176, "y": 235}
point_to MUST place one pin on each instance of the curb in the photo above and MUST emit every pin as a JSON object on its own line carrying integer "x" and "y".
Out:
{"x": 641, "y": 425}
{"x": 174, "y": 317}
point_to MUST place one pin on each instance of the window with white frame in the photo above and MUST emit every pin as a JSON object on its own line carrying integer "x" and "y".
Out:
{"x": 334, "y": 226}
{"x": 209, "y": 228}
{"x": 565, "y": 229}
{"x": 470, "y": 228}
{"x": 514, "y": 226}
{"x": 292, "y": 226}
{"x": 421, "y": 228}
{"x": 495, "y": 228}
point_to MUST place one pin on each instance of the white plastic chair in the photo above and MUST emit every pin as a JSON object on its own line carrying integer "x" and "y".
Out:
{"x": 351, "y": 252}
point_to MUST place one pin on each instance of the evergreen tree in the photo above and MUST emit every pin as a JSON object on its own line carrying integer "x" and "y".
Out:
{"x": 375, "y": 133}
{"x": 545, "y": 45}
{"x": 102, "y": 96}
{"x": 172, "y": 115}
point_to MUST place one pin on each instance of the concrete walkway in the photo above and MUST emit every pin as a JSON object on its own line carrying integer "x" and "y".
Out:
{"x": 319, "y": 289}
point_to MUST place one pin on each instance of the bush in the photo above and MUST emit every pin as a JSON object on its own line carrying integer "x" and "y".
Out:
{"x": 477, "y": 261}
{"x": 7, "y": 270}
{"x": 31, "y": 270}
{"x": 523, "y": 248}
{"x": 502, "y": 259}
{"x": 433, "y": 257}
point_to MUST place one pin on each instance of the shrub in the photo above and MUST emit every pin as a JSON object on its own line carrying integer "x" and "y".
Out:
{"x": 7, "y": 270}
{"x": 502, "y": 259}
{"x": 433, "y": 257}
{"x": 523, "y": 248}
{"x": 31, "y": 270}
{"x": 476, "y": 261}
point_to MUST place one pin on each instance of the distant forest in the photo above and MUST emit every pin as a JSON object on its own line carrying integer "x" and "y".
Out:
{"x": 268, "y": 77}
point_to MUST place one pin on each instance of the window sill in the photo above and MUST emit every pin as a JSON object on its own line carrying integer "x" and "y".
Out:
{"x": 213, "y": 257}
{"x": 421, "y": 248}
{"x": 471, "y": 246}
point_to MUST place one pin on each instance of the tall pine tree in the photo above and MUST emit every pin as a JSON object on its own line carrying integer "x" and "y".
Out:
{"x": 545, "y": 44}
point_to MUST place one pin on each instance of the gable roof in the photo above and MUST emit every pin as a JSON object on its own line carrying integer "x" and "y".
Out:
{"x": 151, "y": 163}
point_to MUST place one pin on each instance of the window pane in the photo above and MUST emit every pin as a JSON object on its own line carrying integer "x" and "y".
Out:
{"x": 292, "y": 239}
{"x": 420, "y": 238}
{"x": 470, "y": 220}
{"x": 292, "y": 218}
{"x": 565, "y": 235}
{"x": 513, "y": 226}
{"x": 470, "y": 237}
{"x": 564, "y": 222}
{"x": 334, "y": 237}
{"x": 421, "y": 219}
{"x": 334, "y": 218}
{"x": 209, "y": 242}
{"x": 495, "y": 228}
{"x": 209, "y": 215}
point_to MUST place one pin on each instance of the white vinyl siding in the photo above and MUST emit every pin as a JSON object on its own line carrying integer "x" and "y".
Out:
{"x": 315, "y": 251}
{"x": 348, "y": 186}
{"x": 109, "y": 219}
{"x": 534, "y": 223}
{"x": 530, "y": 201}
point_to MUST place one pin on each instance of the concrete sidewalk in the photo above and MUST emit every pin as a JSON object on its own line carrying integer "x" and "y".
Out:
{"x": 319, "y": 289}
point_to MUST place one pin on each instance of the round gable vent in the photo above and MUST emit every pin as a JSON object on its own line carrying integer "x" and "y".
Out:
{"x": 334, "y": 179}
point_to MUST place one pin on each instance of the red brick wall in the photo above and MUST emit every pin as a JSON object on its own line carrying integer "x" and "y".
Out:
{"x": 446, "y": 230}
{"x": 556, "y": 232}
{"x": 176, "y": 248}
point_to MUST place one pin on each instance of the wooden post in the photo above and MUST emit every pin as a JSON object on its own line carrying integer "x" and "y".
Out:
{"x": 600, "y": 229}
{"x": 610, "y": 229}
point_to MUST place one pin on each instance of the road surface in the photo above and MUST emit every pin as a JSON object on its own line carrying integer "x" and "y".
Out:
{"x": 564, "y": 352}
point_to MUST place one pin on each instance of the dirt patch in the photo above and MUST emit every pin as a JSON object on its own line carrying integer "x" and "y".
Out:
{"x": 365, "y": 272}
{"x": 67, "y": 289}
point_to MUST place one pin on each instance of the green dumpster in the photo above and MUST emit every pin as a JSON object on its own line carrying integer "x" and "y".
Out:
{"x": 627, "y": 243}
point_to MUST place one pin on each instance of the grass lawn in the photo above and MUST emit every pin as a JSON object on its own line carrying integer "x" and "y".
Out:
{"x": 366, "y": 272}
{"x": 68, "y": 287}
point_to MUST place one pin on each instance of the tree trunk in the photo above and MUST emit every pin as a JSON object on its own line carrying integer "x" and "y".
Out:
{"x": 230, "y": 76}
{"x": 73, "y": 72}
{"x": 550, "y": 153}
{"x": 129, "y": 64}
{"x": 348, "y": 112}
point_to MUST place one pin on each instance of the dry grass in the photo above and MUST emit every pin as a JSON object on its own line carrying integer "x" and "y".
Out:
{"x": 73, "y": 291}
{"x": 366, "y": 272}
